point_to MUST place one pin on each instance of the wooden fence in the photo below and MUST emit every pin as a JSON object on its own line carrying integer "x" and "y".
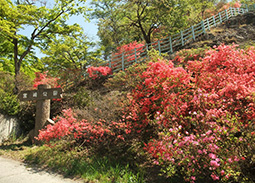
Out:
{"x": 175, "y": 42}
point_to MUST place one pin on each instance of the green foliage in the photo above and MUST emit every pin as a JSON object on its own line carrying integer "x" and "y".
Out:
{"x": 26, "y": 116}
{"x": 82, "y": 98}
{"x": 127, "y": 21}
{"x": 197, "y": 10}
{"x": 9, "y": 103}
{"x": 248, "y": 2}
{"x": 46, "y": 23}
{"x": 67, "y": 52}
{"x": 183, "y": 56}
{"x": 75, "y": 162}
{"x": 127, "y": 80}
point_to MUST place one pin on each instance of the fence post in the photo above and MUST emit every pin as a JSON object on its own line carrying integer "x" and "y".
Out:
{"x": 208, "y": 24}
{"x": 110, "y": 63}
{"x": 226, "y": 12}
{"x": 147, "y": 48}
{"x": 203, "y": 26}
{"x": 193, "y": 33}
{"x": 182, "y": 38}
{"x": 171, "y": 46}
{"x": 135, "y": 56}
{"x": 159, "y": 47}
{"x": 220, "y": 17}
{"x": 214, "y": 22}
{"x": 231, "y": 11}
{"x": 122, "y": 61}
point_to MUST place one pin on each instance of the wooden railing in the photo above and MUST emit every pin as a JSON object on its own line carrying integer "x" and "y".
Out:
{"x": 174, "y": 42}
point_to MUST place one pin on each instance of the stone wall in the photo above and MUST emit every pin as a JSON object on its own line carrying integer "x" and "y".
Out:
{"x": 8, "y": 126}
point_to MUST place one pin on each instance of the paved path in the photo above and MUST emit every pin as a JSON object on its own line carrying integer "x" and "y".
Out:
{"x": 15, "y": 172}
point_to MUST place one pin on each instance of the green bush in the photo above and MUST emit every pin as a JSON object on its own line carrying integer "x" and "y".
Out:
{"x": 9, "y": 103}
{"x": 82, "y": 98}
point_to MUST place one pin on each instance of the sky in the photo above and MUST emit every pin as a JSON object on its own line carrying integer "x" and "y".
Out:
{"x": 90, "y": 29}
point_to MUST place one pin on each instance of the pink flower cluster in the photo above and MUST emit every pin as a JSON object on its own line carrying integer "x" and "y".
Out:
{"x": 196, "y": 112}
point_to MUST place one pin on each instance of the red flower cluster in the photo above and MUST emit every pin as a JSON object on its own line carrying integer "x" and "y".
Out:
{"x": 96, "y": 72}
{"x": 197, "y": 112}
{"x": 43, "y": 78}
{"x": 90, "y": 133}
{"x": 196, "y": 121}
{"x": 130, "y": 52}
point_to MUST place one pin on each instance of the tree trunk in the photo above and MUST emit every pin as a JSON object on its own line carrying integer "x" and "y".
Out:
{"x": 17, "y": 64}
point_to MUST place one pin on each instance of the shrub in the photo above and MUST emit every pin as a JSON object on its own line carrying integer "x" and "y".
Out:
{"x": 199, "y": 116}
{"x": 44, "y": 78}
{"x": 97, "y": 72}
{"x": 196, "y": 122}
{"x": 183, "y": 56}
{"x": 8, "y": 101}
{"x": 88, "y": 133}
{"x": 128, "y": 52}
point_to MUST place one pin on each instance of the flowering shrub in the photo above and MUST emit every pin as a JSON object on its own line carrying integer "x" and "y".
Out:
{"x": 197, "y": 121}
{"x": 202, "y": 117}
{"x": 97, "y": 72}
{"x": 183, "y": 56}
{"x": 130, "y": 52}
{"x": 92, "y": 133}
{"x": 43, "y": 78}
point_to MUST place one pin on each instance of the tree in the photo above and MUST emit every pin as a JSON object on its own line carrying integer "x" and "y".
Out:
{"x": 71, "y": 51}
{"x": 109, "y": 25}
{"x": 198, "y": 9}
{"x": 125, "y": 21}
{"x": 45, "y": 22}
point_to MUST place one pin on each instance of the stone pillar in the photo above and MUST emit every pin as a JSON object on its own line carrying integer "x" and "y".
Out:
{"x": 42, "y": 111}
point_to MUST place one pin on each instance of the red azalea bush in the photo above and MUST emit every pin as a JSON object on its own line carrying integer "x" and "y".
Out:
{"x": 97, "y": 72}
{"x": 130, "y": 52}
{"x": 90, "y": 133}
{"x": 196, "y": 122}
{"x": 44, "y": 78}
{"x": 202, "y": 117}
{"x": 183, "y": 56}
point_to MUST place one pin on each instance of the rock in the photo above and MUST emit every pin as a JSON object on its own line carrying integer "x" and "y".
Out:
{"x": 8, "y": 126}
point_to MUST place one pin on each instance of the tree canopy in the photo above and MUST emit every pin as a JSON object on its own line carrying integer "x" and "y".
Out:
{"x": 46, "y": 23}
{"x": 122, "y": 22}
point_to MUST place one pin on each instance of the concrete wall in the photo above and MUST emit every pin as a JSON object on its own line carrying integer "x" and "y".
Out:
{"x": 8, "y": 126}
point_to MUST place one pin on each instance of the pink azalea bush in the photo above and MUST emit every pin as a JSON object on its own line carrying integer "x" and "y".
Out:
{"x": 202, "y": 116}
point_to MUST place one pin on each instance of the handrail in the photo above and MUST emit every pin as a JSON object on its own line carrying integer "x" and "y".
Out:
{"x": 172, "y": 43}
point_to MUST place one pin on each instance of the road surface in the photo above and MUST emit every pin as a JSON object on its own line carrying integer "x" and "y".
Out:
{"x": 16, "y": 172}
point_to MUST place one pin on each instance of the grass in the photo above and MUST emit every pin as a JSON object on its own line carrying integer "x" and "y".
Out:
{"x": 72, "y": 162}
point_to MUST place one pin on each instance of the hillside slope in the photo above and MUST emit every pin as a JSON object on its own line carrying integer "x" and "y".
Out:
{"x": 239, "y": 29}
